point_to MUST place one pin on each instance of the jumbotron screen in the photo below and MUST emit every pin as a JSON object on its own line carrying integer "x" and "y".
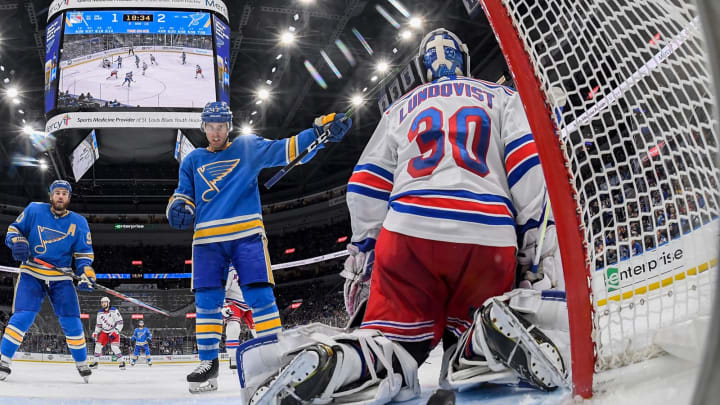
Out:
{"x": 120, "y": 58}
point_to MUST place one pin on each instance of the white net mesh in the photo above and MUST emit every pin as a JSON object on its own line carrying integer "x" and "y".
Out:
{"x": 638, "y": 134}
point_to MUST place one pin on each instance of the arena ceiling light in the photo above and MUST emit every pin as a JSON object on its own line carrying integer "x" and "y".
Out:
{"x": 382, "y": 66}
{"x": 263, "y": 93}
{"x": 246, "y": 129}
{"x": 416, "y": 22}
{"x": 287, "y": 38}
{"x": 306, "y": 1}
{"x": 12, "y": 92}
{"x": 43, "y": 165}
{"x": 28, "y": 130}
{"x": 357, "y": 100}
{"x": 406, "y": 35}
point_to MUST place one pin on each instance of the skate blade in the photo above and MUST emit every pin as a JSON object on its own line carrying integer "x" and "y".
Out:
{"x": 197, "y": 388}
{"x": 86, "y": 379}
{"x": 539, "y": 356}
{"x": 303, "y": 364}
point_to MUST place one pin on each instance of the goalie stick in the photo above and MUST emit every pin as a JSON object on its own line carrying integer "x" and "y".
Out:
{"x": 68, "y": 272}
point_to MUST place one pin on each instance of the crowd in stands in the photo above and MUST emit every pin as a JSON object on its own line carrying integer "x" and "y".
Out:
{"x": 636, "y": 205}
{"x": 320, "y": 300}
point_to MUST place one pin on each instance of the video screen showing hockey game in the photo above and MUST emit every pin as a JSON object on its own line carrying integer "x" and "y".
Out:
{"x": 121, "y": 58}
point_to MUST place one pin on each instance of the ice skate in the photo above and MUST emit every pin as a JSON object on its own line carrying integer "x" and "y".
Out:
{"x": 306, "y": 377}
{"x": 204, "y": 377}
{"x": 93, "y": 364}
{"x": 522, "y": 347}
{"x": 84, "y": 371}
{"x": 122, "y": 365}
{"x": 5, "y": 363}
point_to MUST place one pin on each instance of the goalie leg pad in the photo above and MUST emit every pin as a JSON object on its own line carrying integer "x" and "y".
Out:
{"x": 260, "y": 358}
{"x": 348, "y": 368}
{"x": 519, "y": 345}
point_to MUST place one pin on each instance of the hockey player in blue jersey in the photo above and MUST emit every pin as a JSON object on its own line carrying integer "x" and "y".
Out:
{"x": 142, "y": 337}
{"x": 52, "y": 234}
{"x": 218, "y": 192}
{"x": 128, "y": 79}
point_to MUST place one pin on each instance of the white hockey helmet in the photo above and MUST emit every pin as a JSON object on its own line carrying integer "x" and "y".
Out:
{"x": 104, "y": 300}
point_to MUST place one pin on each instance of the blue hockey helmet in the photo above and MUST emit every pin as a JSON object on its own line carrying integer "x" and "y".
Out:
{"x": 442, "y": 54}
{"x": 60, "y": 184}
{"x": 216, "y": 111}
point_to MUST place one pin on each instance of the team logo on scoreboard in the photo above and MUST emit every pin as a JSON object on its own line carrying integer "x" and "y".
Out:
{"x": 75, "y": 17}
{"x": 213, "y": 173}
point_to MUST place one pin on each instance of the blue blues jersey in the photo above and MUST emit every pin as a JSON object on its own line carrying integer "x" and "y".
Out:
{"x": 53, "y": 239}
{"x": 141, "y": 336}
{"x": 222, "y": 186}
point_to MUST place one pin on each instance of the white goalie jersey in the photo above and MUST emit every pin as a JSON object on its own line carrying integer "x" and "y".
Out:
{"x": 451, "y": 161}
{"x": 109, "y": 322}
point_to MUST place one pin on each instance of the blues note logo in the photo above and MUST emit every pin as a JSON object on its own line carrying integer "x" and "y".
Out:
{"x": 49, "y": 235}
{"x": 213, "y": 173}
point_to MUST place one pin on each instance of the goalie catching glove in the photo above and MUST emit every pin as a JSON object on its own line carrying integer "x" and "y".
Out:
{"x": 357, "y": 272}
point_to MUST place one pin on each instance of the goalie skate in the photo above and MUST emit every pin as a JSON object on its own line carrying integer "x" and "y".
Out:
{"x": 204, "y": 377}
{"x": 307, "y": 375}
{"x": 522, "y": 347}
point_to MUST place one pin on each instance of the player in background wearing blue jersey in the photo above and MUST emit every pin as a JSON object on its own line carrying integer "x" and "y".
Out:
{"x": 142, "y": 337}
{"x": 55, "y": 235}
{"x": 218, "y": 192}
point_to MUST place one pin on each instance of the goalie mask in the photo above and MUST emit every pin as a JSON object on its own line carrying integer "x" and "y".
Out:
{"x": 442, "y": 54}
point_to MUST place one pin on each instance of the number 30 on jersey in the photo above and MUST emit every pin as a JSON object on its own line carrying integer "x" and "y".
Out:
{"x": 431, "y": 140}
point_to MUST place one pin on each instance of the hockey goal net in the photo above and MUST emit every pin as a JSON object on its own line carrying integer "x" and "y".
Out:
{"x": 619, "y": 99}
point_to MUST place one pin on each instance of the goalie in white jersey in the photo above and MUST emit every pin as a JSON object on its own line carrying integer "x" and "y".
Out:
{"x": 107, "y": 330}
{"x": 446, "y": 191}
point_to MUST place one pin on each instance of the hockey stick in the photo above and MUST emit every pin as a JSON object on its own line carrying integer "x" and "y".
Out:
{"x": 68, "y": 272}
{"x": 543, "y": 228}
{"x": 322, "y": 139}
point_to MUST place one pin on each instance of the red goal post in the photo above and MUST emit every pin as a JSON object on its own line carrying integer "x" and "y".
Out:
{"x": 631, "y": 165}
{"x": 560, "y": 192}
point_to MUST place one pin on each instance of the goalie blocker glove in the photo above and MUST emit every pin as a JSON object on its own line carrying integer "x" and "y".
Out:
{"x": 357, "y": 272}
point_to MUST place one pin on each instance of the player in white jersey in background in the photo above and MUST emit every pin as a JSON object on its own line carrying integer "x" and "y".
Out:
{"x": 447, "y": 190}
{"x": 235, "y": 312}
{"x": 107, "y": 330}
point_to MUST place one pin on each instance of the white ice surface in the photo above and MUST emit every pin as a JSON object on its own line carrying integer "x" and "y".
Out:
{"x": 659, "y": 381}
{"x": 167, "y": 84}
